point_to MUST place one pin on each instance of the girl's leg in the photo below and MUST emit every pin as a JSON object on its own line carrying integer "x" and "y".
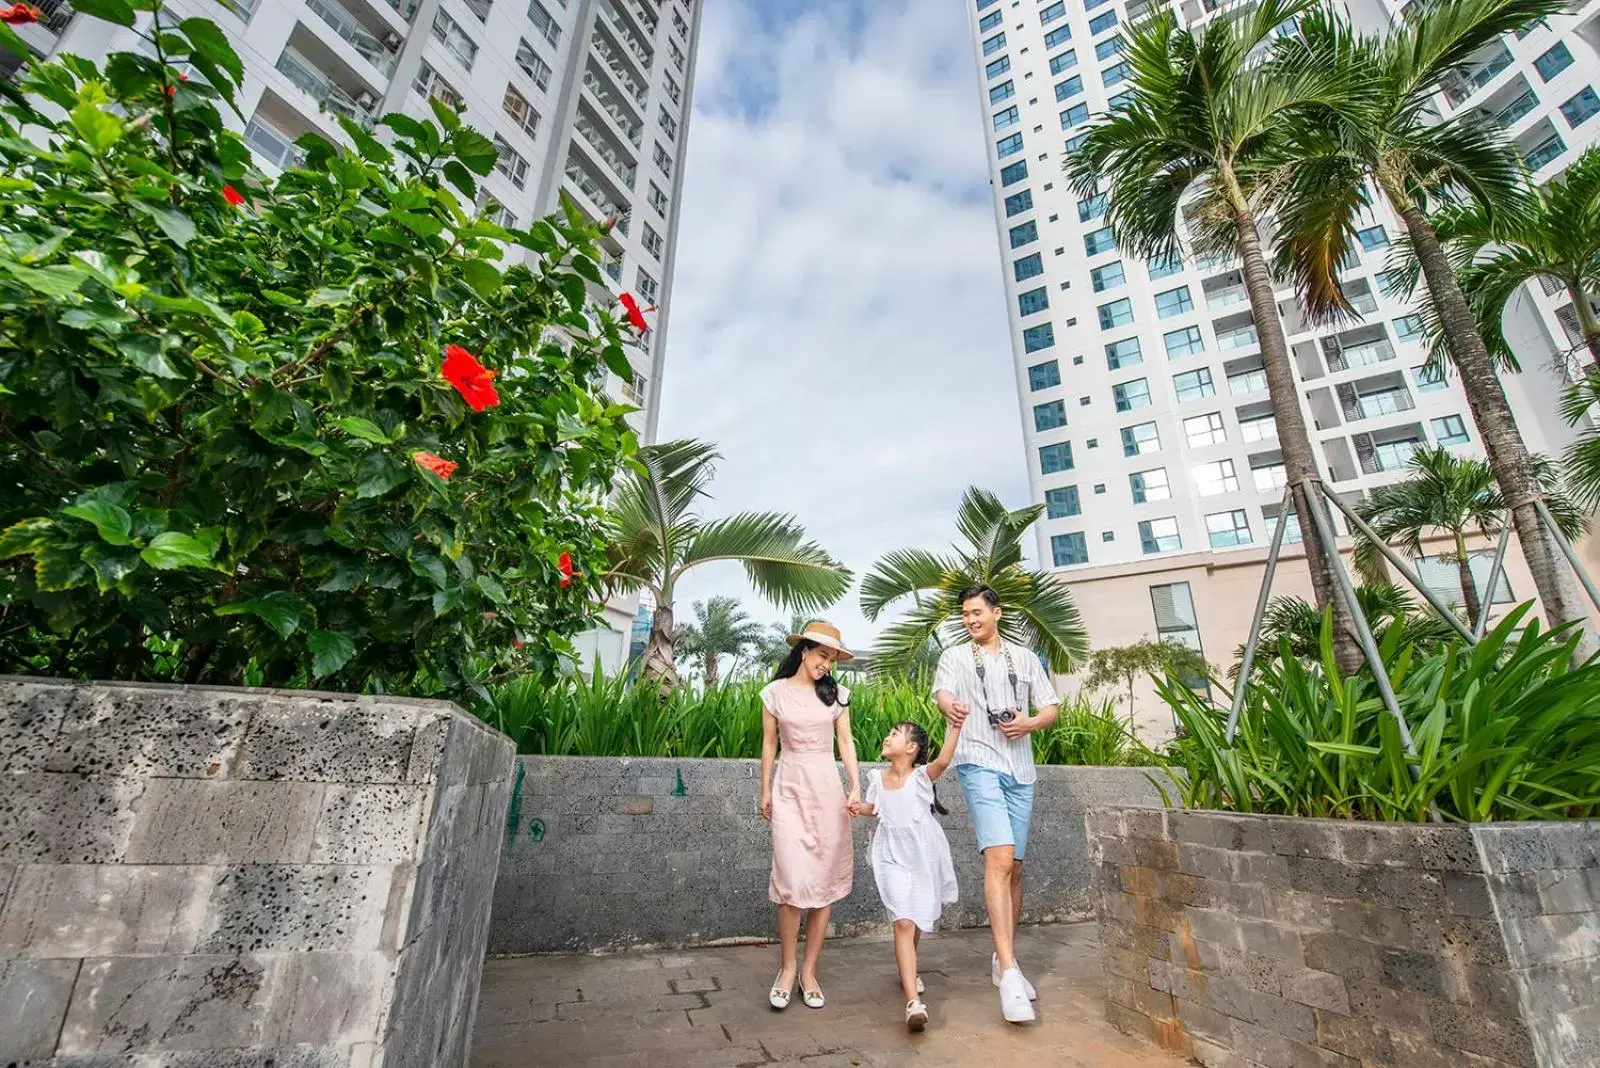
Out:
{"x": 788, "y": 944}
{"x": 816, "y": 931}
{"x": 905, "y": 955}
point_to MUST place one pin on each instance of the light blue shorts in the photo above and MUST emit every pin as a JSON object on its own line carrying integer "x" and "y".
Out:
{"x": 999, "y": 806}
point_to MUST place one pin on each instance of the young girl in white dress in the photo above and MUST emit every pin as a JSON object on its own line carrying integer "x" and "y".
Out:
{"x": 910, "y": 855}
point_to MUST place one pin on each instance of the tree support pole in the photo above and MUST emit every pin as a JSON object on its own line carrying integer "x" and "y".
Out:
{"x": 1567, "y": 550}
{"x": 1248, "y": 663}
{"x": 1494, "y": 580}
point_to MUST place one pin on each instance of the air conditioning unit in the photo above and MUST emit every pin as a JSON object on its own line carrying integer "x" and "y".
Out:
{"x": 366, "y": 100}
{"x": 391, "y": 41}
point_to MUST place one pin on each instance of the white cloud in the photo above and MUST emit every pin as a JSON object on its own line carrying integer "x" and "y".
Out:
{"x": 838, "y": 325}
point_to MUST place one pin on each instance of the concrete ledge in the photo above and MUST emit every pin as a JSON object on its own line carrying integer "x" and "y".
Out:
{"x": 604, "y": 853}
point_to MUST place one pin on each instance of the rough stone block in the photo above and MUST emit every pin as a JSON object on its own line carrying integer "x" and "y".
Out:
{"x": 1478, "y": 1032}
{"x": 1467, "y": 894}
{"x": 1283, "y": 1017}
{"x": 262, "y": 908}
{"x": 1318, "y": 990}
{"x": 1321, "y": 839}
{"x": 31, "y": 713}
{"x": 65, "y": 911}
{"x": 33, "y": 1000}
{"x": 141, "y": 732}
{"x": 186, "y": 821}
{"x": 52, "y": 818}
{"x": 330, "y": 999}
{"x": 365, "y": 823}
{"x": 136, "y": 1004}
{"x": 364, "y": 740}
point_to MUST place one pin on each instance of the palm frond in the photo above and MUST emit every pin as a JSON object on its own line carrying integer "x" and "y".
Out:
{"x": 783, "y": 567}
{"x": 1437, "y": 39}
{"x": 900, "y": 574}
{"x": 900, "y": 645}
{"x": 1044, "y": 617}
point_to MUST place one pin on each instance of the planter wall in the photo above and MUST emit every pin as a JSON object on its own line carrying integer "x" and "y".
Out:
{"x": 210, "y": 878}
{"x": 1280, "y": 942}
{"x": 602, "y": 853}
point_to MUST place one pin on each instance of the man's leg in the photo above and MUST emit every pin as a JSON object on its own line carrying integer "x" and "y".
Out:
{"x": 1019, "y": 810}
{"x": 998, "y": 880}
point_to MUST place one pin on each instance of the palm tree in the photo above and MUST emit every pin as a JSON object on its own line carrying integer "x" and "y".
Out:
{"x": 656, "y": 539}
{"x": 1207, "y": 118}
{"x": 1390, "y": 611}
{"x": 1039, "y": 612}
{"x": 1457, "y": 496}
{"x": 721, "y": 628}
{"x": 1386, "y": 134}
{"x": 1581, "y": 462}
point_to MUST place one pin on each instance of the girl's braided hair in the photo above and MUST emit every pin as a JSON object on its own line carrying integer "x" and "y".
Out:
{"x": 919, "y": 738}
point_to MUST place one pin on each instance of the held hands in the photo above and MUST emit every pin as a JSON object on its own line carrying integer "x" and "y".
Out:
{"x": 956, "y": 714}
{"x": 852, "y": 802}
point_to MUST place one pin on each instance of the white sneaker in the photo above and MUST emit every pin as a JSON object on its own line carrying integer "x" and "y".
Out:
{"x": 994, "y": 977}
{"x": 1014, "y": 1004}
{"x": 916, "y": 1015}
{"x": 921, "y": 989}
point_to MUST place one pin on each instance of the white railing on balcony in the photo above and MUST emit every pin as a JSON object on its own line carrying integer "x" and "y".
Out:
{"x": 300, "y": 71}
{"x": 363, "y": 40}
{"x": 1243, "y": 338}
{"x": 1365, "y": 303}
{"x": 1522, "y": 105}
{"x": 641, "y": 51}
{"x": 619, "y": 70}
{"x": 591, "y": 189}
{"x": 272, "y": 144}
{"x": 1381, "y": 402}
{"x": 1458, "y": 87}
{"x": 608, "y": 100}
{"x": 1367, "y": 355}
{"x": 597, "y": 142}
{"x": 1247, "y": 382}
{"x": 1263, "y": 429}
{"x": 1222, "y": 298}
{"x": 56, "y": 14}
{"x": 1274, "y": 477}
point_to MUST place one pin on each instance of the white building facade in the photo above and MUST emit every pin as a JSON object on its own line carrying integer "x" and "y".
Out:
{"x": 587, "y": 98}
{"x": 1150, "y": 435}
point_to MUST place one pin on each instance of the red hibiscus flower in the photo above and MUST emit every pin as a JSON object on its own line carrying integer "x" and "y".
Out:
{"x": 437, "y": 464}
{"x": 172, "y": 90}
{"x": 19, "y": 14}
{"x": 565, "y": 564}
{"x": 232, "y": 196}
{"x": 635, "y": 313}
{"x": 472, "y": 380}
{"x": 516, "y": 643}
{"x": 182, "y": 77}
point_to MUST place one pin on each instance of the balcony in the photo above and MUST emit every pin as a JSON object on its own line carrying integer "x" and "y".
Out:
{"x": 1549, "y": 149}
{"x": 1226, "y": 297}
{"x": 406, "y": 9}
{"x": 1508, "y": 115}
{"x": 612, "y": 265}
{"x": 600, "y": 145}
{"x": 608, "y": 101}
{"x": 1379, "y": 402}
{"x": 637, "y": 48}
{"x": 1389, "y": 455}
{"x": 1368, "y": 354}
{"x": 271, "y": 144}
{"x": 1477, "y": 74}
{"x": 1243, "y": 337}
{"x": 56, "y": 14}
{"x": 380, "y": 53}
{"x": 620, "y": 71}
{"x": 328, "y": 94}
{"x": 586, "y": 184}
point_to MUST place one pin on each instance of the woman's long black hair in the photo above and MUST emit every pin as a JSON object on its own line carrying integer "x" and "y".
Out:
{"x": 919, "y": 738}
{"x": 827, "y": 686}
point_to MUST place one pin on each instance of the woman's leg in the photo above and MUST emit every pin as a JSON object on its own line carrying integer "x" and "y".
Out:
{"x": 816, "y": 931}
{"x": 905, "y": 955}
{"x": 788, "y": 944}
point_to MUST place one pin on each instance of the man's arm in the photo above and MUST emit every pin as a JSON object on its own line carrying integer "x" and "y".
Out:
{"x": 1042, "y": 695}
{"x": 944, "y": 686}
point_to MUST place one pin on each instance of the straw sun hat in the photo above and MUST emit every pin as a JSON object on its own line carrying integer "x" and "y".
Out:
{"x": 823, "y": 634}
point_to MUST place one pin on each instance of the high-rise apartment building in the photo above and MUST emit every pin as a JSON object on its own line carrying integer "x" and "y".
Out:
{"x": 1150, "y": 435}
{"x": 587, "y": 98}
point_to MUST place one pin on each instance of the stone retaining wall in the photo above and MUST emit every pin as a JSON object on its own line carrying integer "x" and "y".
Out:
{"x": 1276, "y": 942}
{"x": 213, "y": 878}
{"x": 603, "y": 853}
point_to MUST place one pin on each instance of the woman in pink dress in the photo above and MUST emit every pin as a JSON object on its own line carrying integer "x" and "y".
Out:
{"x": 803, "y": 800}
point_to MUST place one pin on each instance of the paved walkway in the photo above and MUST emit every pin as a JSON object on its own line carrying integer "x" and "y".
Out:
{"x": 707, "y": 1008}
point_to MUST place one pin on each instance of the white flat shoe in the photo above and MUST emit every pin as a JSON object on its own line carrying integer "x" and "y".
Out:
{"x": 916, "y": 1015}
{"x": 920, "y": 988}
{"x": 778, "y": 997}
{"x": 994, "y": 977}
{"x": 813, "y": 998}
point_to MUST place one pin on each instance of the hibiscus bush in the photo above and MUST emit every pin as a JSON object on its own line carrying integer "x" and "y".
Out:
{"x": 326, "y": 429}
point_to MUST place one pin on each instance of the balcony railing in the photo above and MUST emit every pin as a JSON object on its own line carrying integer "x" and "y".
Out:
{"x": 619, "y": 70}
{"x": 591, "y": 189}
{"x": 1243, "y": 338}
{"x": 1382, "y": 402}
{"x": 1365, "y": 303}
{"x": 303, "y": 74}
{"x": 272, "y": 144}
{"x": 612, "y": 265}
{"x": 1459, "y": 87}
{"x": 597, "y": 142}
{"x": 1546, "y": 152}
{"x": 56, "y": 14}
{"x": 1265, "y": 429}
{"x": 1222, "y": 298}
{"x": 1390, "y": 456}
{"x": 1522, "y": 105}
{"x": 363, "y": 40}
{"x": 1367, "y": 355}
{"x": 1248, "y": 382}
{"x": 629, "y": 125}
{"x": 1270, "y": 478}
{"x": 641, "y": 51}
{"x": 406, "y": 8}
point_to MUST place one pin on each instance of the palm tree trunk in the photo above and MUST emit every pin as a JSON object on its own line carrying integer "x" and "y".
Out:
{"x": 1299, "y": 461}
{"x": 1491, "y": 412}
{"x": 660, "y": 652}
{"x": 1587, "y": 322}
{"x": 710, "y": 661}
{"x": 1469, "y": 585}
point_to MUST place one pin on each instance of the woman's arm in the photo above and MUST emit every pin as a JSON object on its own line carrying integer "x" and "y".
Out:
{"x": 947, "y": 752}
{"x": 847, "y": 753}
{"x": 769, "y": 756}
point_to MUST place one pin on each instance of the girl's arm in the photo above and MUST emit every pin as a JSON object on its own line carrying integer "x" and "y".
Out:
{"x": 939, "y": 764}
{"x": 769, "y": 756}
{"x": 847, "y": 753}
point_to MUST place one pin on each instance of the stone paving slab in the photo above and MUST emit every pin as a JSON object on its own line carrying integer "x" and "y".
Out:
{"x": 707, "y": 1008}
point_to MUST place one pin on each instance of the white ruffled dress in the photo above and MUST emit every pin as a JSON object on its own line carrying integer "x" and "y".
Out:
{"x": 910, "y": 854}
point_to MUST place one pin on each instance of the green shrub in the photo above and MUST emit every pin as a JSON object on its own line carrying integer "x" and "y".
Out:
{"x": 1506, "y": 730}
{"x": 227, "y": 441}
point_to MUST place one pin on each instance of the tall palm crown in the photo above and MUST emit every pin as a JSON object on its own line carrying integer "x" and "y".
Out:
{"x": 1210, "y": 122}
{"x": 721, "y": 629}
{"x": 656, "y": 538}
{"x": 1038, "y": 612}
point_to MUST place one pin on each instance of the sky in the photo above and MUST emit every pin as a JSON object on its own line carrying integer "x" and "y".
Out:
{"x": 838, "y": 321}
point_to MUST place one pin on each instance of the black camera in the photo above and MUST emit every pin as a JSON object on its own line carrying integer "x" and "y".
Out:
{"x": 1005, "y": 715}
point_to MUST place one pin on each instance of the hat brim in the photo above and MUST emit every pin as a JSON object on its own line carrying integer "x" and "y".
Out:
{"x": 824, "y": 640}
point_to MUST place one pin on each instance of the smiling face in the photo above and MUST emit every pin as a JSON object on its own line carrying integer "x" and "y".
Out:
{"x": 816, "y": 662}
{"x": 899, "y": 743}
{"x": 981, "y": 619}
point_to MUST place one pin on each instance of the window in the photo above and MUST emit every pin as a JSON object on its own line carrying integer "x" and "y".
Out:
{"x": 1124, "y": 353}
{"x": 1581, "y": 108}
{"x": 1044, "y": 375}
{"x": 1012, "y": 173}
{"x": 1214, "y": 478}
{"x": 1054, "y": 458}
{"x": 647, "y": 286}
{"x": 1408, "y": 326}
{"x": 1057, "y": 37}
{"x": 1028, "y": 267}
{"x": 1451, "y": 430}
{"x": 532, "y": 65}
{"x": 680, "y": 27}
{"x": 1017, "y": 203}
{"x": 1049, "y": 416}
{"x": 998, "y": 67}
{"x": 1116, "y": 75}
{"x": 658, "y": 200}
{"x": 1117, "y": 313}
{"x": 1108, "y": 277}
{"x": 1065, "y": 61}
{"x": 1176, "y": 621}
{"x": 991, "y": 45}
{"x": 1038, "y": 337}
{"x": 1004, "y": 120}
{"x": 1291, "y": 532}
{"x": 1130, "y": 395}
{"x": 455, "y": 40}
{"x": 986, "y": 3}
{"x": 1393, "y": 283}
{"x": 1004, "y": 91}
{"x": 1165, "y": 268}
{"x": 1185, "y": 342}
{"x": 1442, "y": 575}
{"x": 668, "y": 123}
{"x": 1098, "y": 241}
{"x": 1111, "y": 46}
{"x": 521, "y": 112}
{"x": 544, "y": 22}
{"x": 653, "y": 242}
{"x": 1174, "y": 302}
{"x": 1251, "y": 380}
{"x": 497, "y": 213}
{"x": 1140, "y": 439}
{"x": 1101, "y": 23}
{"x": 675, "y": 54}
{"x": 1192, "y": 385}
{"x": 1159, "y": 535}
{"x": 1269, "y": 476}
{"x": 1203, "y": 430}
{"x": 1061, "y": 502}
{"x": 1092, "y": 208}
{"x": 1055, "y": 11}
{"x": 1107, "y": 535}
{"x": 1066, "y": 90}
{"x": 1150, "y": 485}
{"x": 1121, "y": 100}
{"x": 1429, "y": 378}
{"x": 1554, "y": 61}
{"x": 1033, "y": 301}
{"x": 1008, "y": 146}
{"x": 1076, "y": 115}
{"x": 1025, "y": 234}
{"x": 509, "y": 163}
{"x": 1373, "y": 237}
{"x": 1076, "y": 141}
{"x": 663, "y": 159}
{"x": 990, "y": 21}
{"x": 673, "y": 92}
{"x": 1226, "y": 529}
{"x": 1068, "y": 549}
{"x": 480, "y": 8}
{"x": 1263, "y": 428}
{"x": 1545, "y": 152}
{"x": 428, "y": 83}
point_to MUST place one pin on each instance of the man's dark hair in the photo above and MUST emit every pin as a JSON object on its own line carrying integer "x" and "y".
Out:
{"x": 980, "y": 589}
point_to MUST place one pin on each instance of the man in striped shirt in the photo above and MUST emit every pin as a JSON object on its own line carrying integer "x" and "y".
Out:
{"x": 988, "y": 688}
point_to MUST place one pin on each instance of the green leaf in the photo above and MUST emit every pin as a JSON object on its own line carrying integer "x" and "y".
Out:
{"x": 171, "y": 550}
{"x": 328, "y": 296}
{"x": 113, "y": 522}
{"x": 617, "y": 360}
{"x": 209, "y": 41}
{"x": 279, "y": 609}
{"x": 474, "y": 150}
{"x": 421, "y": 225}
{"x": 406, "y": 126}
{"x": 110, "y": 565}
{"x": 482, "y": 276}
{"x": 144, "y": 352}
{"x": 58, "y": 281}
{"x": 99, "y": 129}
{"x": 178, "y": 227}
{"x": 492, "y": 589}
{"x": 28, "y": 536}
{"x": 347, "y": 575}
{"x": 330, "y": 651}
{"x": 445, "y": 114}
{"x": 377, "y": 474}
{"x": 461, "y": 178}
{"x": 365, "y": 429}
{"x": 118, "y": 11}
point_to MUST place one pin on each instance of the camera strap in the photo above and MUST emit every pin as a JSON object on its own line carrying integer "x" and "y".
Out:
{"x": 1011, "y": 673}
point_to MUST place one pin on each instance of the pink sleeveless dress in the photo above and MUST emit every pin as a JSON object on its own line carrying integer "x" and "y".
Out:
{"x": 812, "y": 859}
